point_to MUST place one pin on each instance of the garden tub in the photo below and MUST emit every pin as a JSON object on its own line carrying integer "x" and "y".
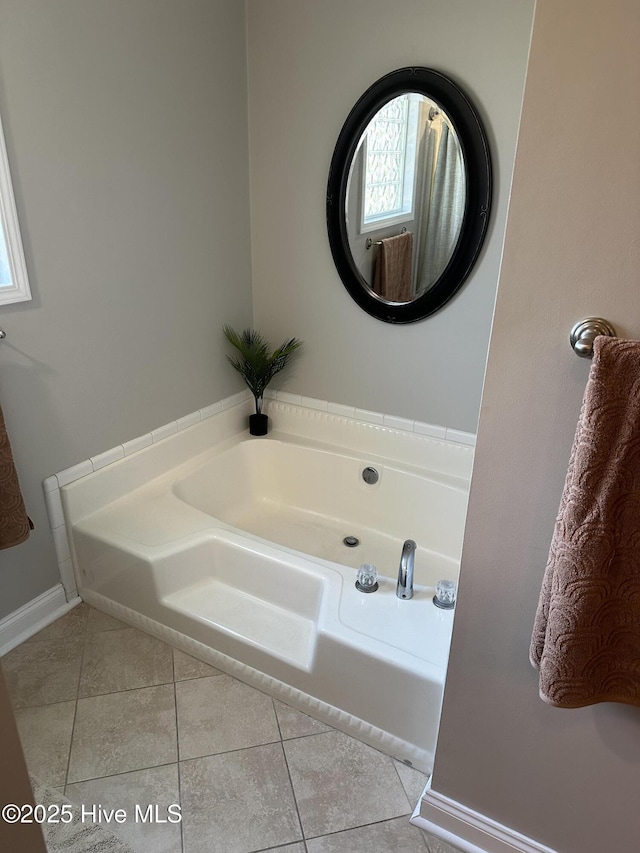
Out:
{"x": 232, "y": 548}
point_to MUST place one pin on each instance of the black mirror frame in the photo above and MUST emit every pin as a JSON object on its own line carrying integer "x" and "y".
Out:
{"x": 477, "y": 160}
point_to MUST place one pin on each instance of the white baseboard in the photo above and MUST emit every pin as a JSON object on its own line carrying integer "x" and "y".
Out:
{"x": 33, "y": 617}
{"x": 468, "y": 830}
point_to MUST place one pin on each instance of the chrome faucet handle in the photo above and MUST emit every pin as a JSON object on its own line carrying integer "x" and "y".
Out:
{"x": 446, "y": 592}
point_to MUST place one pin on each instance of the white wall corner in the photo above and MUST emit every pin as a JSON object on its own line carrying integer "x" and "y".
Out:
{"x": 33, "y": 617}
{"x": 468, "y": 830}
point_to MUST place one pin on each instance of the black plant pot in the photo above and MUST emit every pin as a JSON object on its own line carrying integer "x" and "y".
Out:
{"x": 258, "y": 424}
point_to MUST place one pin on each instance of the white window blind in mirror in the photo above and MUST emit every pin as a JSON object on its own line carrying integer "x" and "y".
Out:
{"x": 390, "y": 162}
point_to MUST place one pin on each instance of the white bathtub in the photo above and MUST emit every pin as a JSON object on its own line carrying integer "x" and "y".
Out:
{"x": 231, "y": 547}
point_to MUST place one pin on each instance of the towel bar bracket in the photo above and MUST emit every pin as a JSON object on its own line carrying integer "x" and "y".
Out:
{"x": 371, "y": 242}
{"x": 586, "y": 331}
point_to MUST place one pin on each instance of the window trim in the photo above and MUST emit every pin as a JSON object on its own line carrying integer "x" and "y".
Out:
{"x": 19, "y": 290}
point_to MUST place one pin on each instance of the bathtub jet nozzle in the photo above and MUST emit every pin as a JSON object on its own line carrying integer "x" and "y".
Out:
{"x": 370, "y": 475}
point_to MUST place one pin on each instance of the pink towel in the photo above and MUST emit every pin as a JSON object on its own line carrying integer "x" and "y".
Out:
{"x": 586, "y": 637}
{"x": 392, "y": 277}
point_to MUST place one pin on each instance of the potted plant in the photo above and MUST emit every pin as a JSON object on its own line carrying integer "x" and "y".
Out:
{"x": 257, "y": 366}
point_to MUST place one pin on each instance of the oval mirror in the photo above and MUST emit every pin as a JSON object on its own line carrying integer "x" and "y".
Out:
{"x": 409, "y": 195}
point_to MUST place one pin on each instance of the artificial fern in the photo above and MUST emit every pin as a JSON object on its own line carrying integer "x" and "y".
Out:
{"x": 255, "y": 363}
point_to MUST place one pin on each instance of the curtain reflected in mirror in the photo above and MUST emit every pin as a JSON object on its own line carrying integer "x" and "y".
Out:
{"x": 406, "y": 198}
{"x": 442, "y": 204}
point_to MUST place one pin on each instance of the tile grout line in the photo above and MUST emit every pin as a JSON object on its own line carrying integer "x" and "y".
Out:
{"x": 275, "y": 714}
{"x": 295, "y": 799}
{"x": 121, "y": 773}
{"x": 395, "y": 767}
{"x": 175, "y": 701}
{"x": 364, "y": 825}
{"x": 73, "y": 726}
{"x": 75, "y": 710}
{"x": 286, "y": 763}
{"x": 126, "y": 690}
{"x": 229, "y": 751}
{"x": 279, "y": 847}
{"x": 181, "y": 812}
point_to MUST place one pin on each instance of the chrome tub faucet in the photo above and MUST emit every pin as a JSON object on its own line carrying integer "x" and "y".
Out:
{"x": 404, "y": 589}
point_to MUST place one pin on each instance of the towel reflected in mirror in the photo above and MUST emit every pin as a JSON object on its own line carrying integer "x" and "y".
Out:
{"x": 393, "y": 271}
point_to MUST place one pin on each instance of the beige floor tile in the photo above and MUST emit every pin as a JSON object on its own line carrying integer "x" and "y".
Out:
{"x": 238, "y": 801}
{"x": 43, "y": 672}
{"x": 390, "y": 836}
{"x": 341, "y": 783}
{"x": 99, "y": 621}
{"x": 134, "y": 792}
{"x": 186, "y": 667}
{"x": 72, "y": 625}
{"x": 118, "y": 732}
{"x": 294, "y": 723}
{"x": 123, "y": 660}
{"x": 219, "y": 714}
{"x": 236, "y": 789}
{"x": 45, "y": 734}
{"x": 413, "y": 781}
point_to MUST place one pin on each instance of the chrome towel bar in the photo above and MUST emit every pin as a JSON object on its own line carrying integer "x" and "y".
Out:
{"x": 371, "y": 242}
{"x": 584, "y": 333}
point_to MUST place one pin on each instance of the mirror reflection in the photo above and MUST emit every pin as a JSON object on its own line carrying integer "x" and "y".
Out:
{"x": 406, "y": 196}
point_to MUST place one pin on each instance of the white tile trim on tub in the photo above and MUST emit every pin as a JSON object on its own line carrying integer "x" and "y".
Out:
{"x": 392, "y": 421}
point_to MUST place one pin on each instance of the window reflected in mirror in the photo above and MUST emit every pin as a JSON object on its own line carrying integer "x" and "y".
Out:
{"x": 407, "y": 176}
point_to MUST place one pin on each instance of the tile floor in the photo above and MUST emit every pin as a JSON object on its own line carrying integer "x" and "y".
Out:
{"x": 111, "y": 716}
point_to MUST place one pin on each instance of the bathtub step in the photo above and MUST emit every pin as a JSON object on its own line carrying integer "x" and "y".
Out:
{"x": 262, "y": 624}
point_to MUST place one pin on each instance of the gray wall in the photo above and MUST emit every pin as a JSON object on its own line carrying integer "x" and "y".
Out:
{"x": 308, "y": 64}
{"x": 126, "y": 128}
{"x": 567, "y": 778}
